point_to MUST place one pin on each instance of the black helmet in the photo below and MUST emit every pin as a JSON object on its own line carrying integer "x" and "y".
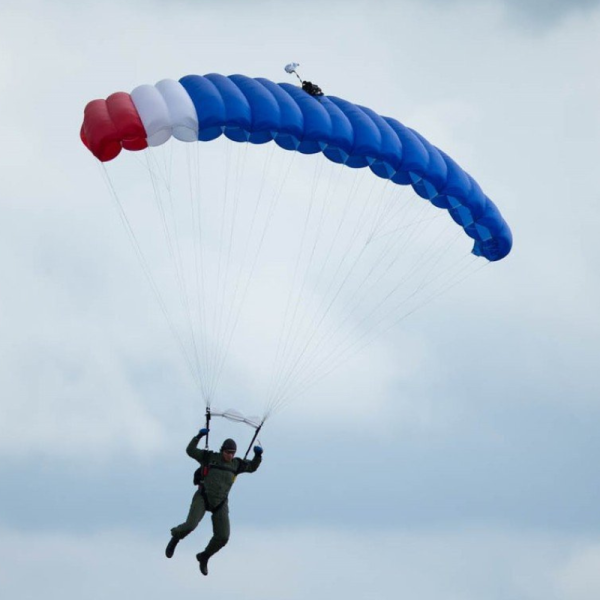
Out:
{"x": 229, "y": 444}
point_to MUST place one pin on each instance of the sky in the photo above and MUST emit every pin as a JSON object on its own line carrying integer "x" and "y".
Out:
{"x": 452, "y": 458}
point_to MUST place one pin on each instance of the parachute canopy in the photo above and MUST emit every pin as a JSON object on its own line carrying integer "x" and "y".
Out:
{"x": 270, "y": 277}
{"x": 202, "y": 108}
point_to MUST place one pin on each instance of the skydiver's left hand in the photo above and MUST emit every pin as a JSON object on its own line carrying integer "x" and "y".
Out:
{"x": 258, "y": 450}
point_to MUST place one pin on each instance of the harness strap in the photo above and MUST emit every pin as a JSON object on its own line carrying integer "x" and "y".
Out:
{"x": 207, "y": 503}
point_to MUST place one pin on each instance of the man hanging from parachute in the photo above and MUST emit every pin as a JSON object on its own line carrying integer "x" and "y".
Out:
{"x": 214, "y": 478}
{"x": 304, "y": 121}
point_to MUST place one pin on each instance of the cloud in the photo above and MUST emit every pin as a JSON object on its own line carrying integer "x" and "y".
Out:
{"x": 298, "y": 564}
{"x": 485, "y": 402}
{"x": 549, "y": 11}
{"x": 531, "y": 15}
{"x": 579, "y": 577}
{"x": 66, "y": 373}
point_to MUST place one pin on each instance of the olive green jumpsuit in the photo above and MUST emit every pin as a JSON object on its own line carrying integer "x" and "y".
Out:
{"x": 215, "y": 489}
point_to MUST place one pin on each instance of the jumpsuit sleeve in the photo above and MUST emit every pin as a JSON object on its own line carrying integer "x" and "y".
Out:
{"x": 193, "y": 451}
{"x": 249, "y": 466}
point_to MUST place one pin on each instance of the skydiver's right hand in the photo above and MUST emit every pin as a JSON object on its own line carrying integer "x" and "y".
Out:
{"x": 203, "y": 432}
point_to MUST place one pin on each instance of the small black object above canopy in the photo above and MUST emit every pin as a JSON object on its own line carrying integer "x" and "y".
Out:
{"x": 312, "y": 88}
{"x": 308, "y": 86}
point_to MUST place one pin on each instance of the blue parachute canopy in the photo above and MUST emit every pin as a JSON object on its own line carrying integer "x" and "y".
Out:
{"x": 258, "y": 111}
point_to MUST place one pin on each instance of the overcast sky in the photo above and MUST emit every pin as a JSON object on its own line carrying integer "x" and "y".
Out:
{"x": 456, "y": 458}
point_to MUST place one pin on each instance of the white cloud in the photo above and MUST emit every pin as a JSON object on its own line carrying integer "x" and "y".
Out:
{"x": 579, "y": 578}
{"x": 292, "y": 563}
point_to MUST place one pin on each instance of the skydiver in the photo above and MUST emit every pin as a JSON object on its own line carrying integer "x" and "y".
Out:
{"x": 214, "y": 479}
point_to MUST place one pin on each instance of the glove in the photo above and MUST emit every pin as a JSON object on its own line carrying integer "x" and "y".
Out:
{"x": 202, "y": 432}
{"x": 258, "y": 450}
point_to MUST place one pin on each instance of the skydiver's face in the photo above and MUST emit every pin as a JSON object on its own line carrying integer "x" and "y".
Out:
{"x": 228, "y": 455}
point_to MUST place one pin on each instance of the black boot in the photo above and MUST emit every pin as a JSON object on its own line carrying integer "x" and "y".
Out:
{"x": 203, "y": 560}
{"x": 171, "y": 547}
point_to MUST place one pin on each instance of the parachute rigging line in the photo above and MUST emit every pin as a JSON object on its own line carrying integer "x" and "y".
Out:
{"x": 258, "y": 254}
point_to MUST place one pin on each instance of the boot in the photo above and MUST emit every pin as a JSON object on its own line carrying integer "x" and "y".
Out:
{"x": 203, "y": 560}
{"x": 170, "y": 550}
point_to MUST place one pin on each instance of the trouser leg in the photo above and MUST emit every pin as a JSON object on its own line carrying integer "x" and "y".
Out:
{"x": 220, "y": 521}
{"x": 197, "y": 510}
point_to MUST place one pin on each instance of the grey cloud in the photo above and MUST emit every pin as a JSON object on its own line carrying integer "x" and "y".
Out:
{"x": 549, "y": 11}
{"x": 537, "y": 14}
